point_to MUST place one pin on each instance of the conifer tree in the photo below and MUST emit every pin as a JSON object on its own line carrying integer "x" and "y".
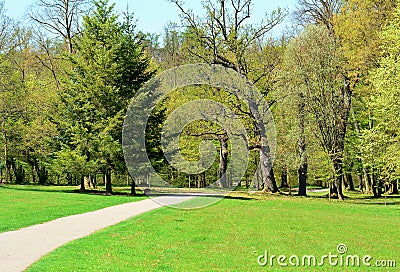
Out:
{"x": 108, "y": 67}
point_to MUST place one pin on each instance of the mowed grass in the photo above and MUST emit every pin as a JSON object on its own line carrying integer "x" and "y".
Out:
{"x": 22, "y": 206}
{"x": 231, "y": 234}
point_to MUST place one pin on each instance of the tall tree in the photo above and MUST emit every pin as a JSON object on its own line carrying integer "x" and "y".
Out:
{"x": 357, "y": 30}
{"x": 9, "y": 106}
{"x": 317, "y": 63}
{"x": 380, "y": 144}
{"x": 224, "y": 36}
{"x": 108, "y": 67}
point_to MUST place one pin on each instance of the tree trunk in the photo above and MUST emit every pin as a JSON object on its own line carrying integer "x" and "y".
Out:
{"x": 303, "y": 179}
{"x": 302, "y": 147}
{"x": 41, "y": 172}
{"x": 266, "y": 160}
{"x": 133, "y": 186}
{"x": 336, "y": 187}
{"x": 3, "y": 128}
{"x": 349, "y": 177}
{"x": 368, "y": 184}
{"x": 350, "y": 183}
{"x": 83, "y": 184}
{"x": 69, "y": 179}
{"x": 377, "y": 185}
{"x": 395, "y": 187}
{"x": 284, "y": 178}
{"x": 374, "y": 185}
{"x": 223, "y": 159}
{"x": 108, "y": 184}
{"x": 361, "y": 183}
{"x": 337, "y": 149}
{"x": 92, "y": 181}
{"x": 267, "y": 172}
{"x": 31, "y": 163}
{"x": 379, "y": 189}
{"x": 9, "y": 172}
{"x": 33, "y": 172}
{"x": 19, "y": 172}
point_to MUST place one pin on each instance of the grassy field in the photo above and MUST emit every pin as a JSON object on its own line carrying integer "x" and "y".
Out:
{"x": 22, "y": 206}
{"x": 233, "y": 233}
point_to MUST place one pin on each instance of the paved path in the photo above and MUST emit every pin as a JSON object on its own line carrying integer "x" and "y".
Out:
{"x": 21, "y": 248}
{"x": 317, "y": 190}
{"x": 312, "y": 190}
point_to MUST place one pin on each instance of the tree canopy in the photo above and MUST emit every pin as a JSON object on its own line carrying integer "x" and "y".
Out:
{"x": 68, "y": 77}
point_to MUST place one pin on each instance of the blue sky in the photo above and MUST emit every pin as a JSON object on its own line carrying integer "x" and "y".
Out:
{"x": 153, "y": 15}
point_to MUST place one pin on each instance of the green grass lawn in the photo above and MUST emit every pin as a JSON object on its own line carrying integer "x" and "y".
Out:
{"x": 230, "y": 235}
{"x": 22, "y": 206}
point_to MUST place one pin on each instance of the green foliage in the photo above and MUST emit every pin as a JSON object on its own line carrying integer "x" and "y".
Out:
{"x": 108, "y": 67}
{"x": 19, "y": 174}
{"x": 311, "y": 69}
{"x": 72, "y": 162}
{"x": 357, "y": 28}
{"x": 63, "y": 100}
{"x": 380, "y": 144}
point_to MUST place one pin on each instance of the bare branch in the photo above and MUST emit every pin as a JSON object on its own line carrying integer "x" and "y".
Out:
{"x": 59, "y": 17}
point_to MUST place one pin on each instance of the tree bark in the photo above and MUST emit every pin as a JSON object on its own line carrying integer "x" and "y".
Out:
{"x": 92, "y": 181}
{"x": 336, "y": 189}
{"x": 284, "y": 178}
{"x": 350, "y": 183}
{"x": 336, "y": 149}
{"x": 41, "y": 172}
{"x": 33, "y": 173}
{"x": 303, "y": 179}
{"x": 108, "y": 184}
{"x": 361, "y": 183}
{"x": 375, "y": 185}
{"x": 302, "y": 171}
{"x": 133, "y": 187}
{"x": 368, "y": 183}
{"x": 83, "y": 184}
{"x": 9, "y": 172}
{"x": 267, "y": 172}
{"x": 395, "y": 187}
{"x": 223, "y": 159}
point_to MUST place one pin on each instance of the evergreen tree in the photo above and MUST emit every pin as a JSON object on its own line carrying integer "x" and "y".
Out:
{"x": 109, "y": 66}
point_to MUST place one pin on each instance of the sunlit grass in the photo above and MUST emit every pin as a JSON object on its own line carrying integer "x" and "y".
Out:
{"x": 22, "y": 206}
{"x": 231, "y": 234}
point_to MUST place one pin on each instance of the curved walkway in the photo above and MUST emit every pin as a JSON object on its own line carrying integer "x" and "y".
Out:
{"x": 21, "y": 248}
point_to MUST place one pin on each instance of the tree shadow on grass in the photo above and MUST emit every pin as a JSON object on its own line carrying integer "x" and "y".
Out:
{"x": 222, "y": 196}
{"x": 36, "y": 189}
{"x": 364, "y": 200}
{"x": 103, "y": 192}
{"x": 69, "y": 190}
{"x": 383, "y": 200}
